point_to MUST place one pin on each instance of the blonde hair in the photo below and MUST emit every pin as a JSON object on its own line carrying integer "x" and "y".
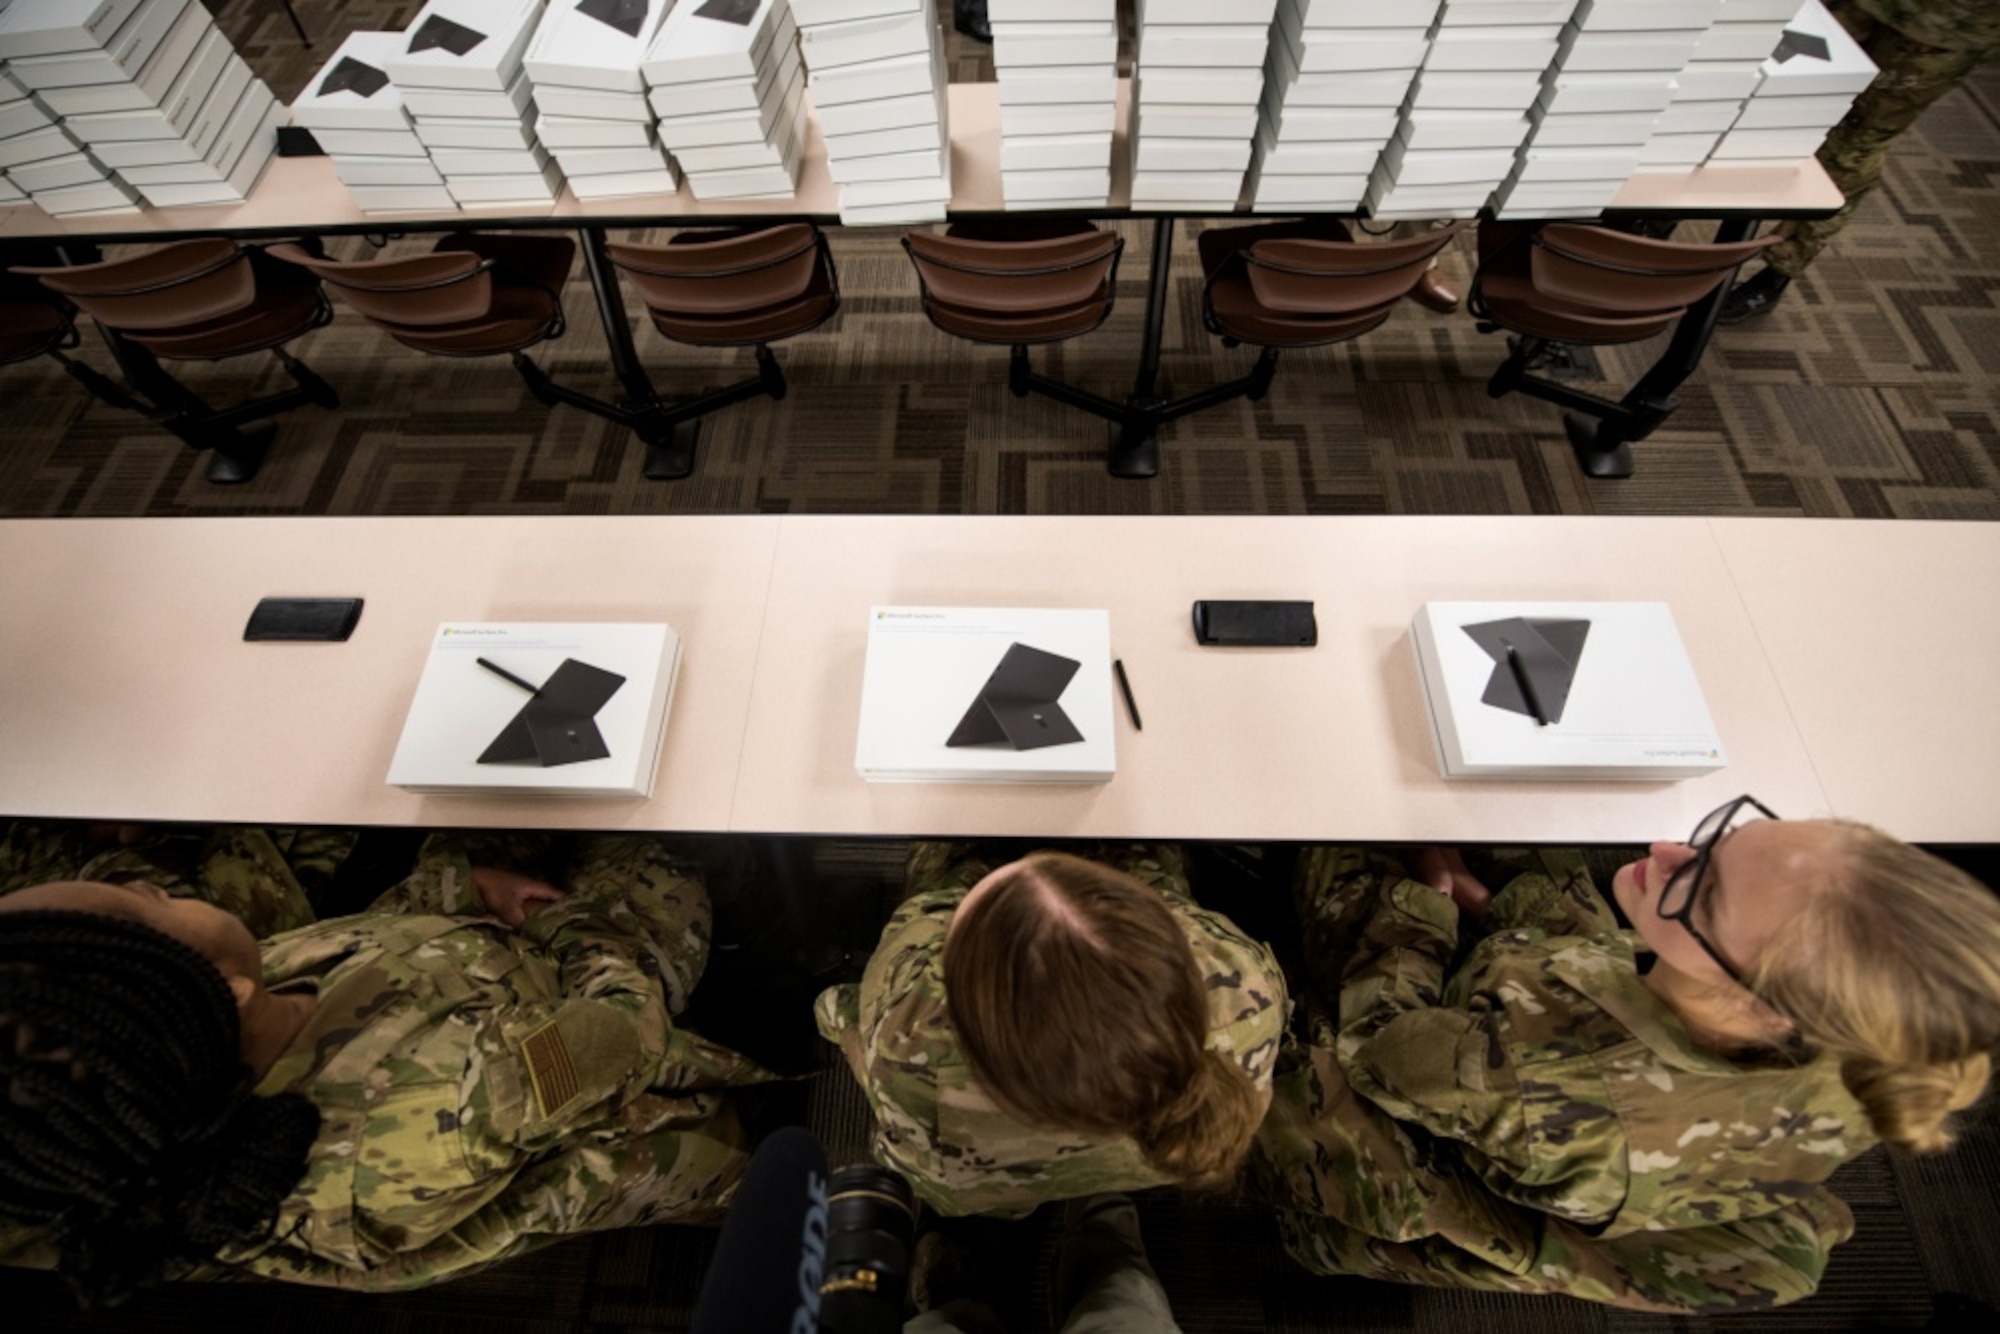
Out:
{"x": 1894, "y": 971}
{"x": 1079, "y": 1003}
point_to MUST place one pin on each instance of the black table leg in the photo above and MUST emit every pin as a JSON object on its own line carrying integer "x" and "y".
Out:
{"x": 1135, "y": 445}
{"x": 669, "y": 446}
{"x": 1603, "y": 447}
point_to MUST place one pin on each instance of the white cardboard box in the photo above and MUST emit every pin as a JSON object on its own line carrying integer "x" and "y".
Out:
{"x": 1479, "y": 50}
{"x": 1053, "y": 152}
{"x": 1594, "y": 94}
{"x": 1081, "y": 118}
{"x": 503, "y": 28}
{"x": 1630, "y": 15}
{"x": 625, "y": 184}
{"x": 110, "y": 196}
{"x": 364, "y": 170}
{"x": 575, "y": 50}
{"x": 562, "y": 133}
{"x": 857, "y": 41}
{"x": 1513, "y": 90}
{"x": 345, "y": 106}
{"x": 1847, "y": 70}
{"x": 443, "y": 133}
{"x": 690, "y": 48}
{"x": 1428, "y": 128}
{"x": 1590, "y": 52}
{"x": 528, "y": 188}
{"x": 471, "y": 103}
{"x": 905, "y": 76}
{"x": 592, "y": 103}
{"x": 56, "y": 173}
{"x": 459, "y": 708}
{"x": 48, "y": 27}
{"x": 121, "y": 59}
{"x": 716, "y": 95}
{"x": 1634, "y": 709}
{"x": 460, "y": 162}
{"x": 1200, "y": 45}
{"x": 1151, "y": 153}
{"x": 928, "y": 667}
{"x": 809, "y": 12}
{"x": 402, "y": 198}
{"x": 1043, "y": 189}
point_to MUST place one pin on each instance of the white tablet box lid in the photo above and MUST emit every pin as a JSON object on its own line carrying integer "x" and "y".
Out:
{"x": 334, "y": 99}
{"x": 927, "y": 666}
{"x": 810, "y": 13}
{"x": 576, "y": 50}
{"x": 1367, "y": 13}
{"x": 120, "y": 60}
{"x": 1151, "y": 12}
{"x": 1646, "y": 15}
{"x": 1634, "y": 710}
{"x": 1847, "y": 68}
{"x": 701, "y": 40}
{"x": 858, "y": 41}
{"x": 1014, "y": 11}
{"x": 503, "y": 29}
{"x": 50, "y": 27}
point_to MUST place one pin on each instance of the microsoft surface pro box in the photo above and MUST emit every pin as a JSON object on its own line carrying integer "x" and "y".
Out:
{"x": 986, "y": 695}
{"x": 547, "y": 709}
{"x": 1562, "y": 690}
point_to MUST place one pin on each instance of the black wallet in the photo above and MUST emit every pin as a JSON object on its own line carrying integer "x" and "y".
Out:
{"x": 321, "y": 620}
{"x": 1255, "y": 624}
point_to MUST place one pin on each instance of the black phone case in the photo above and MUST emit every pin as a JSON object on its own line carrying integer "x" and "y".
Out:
{"x": 303, "y": 620}
{"x": 1256, "y": 624}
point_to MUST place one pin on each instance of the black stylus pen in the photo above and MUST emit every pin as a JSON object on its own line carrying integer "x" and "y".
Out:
{"x": 1527, "y": 686}
{"x": 500, "y": 671}
{"x": 1125, "y": 689}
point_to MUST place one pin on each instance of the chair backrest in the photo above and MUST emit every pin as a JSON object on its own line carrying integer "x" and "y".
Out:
{"x": 172, "y": 287}
{"x": 717, "y": 274}
{"x": 1025, "y": 277}
{"x": 33, "y": 320}
{"x": 1617, "y": 272}
{"x": 421, "y": 292}
{"x": 1311, "y": 277}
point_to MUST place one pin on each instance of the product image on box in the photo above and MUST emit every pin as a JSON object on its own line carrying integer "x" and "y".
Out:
{"x": 729, "y": 11}
{"x": 440, "y": 33}
{"x": 558, "y": 724}
{"x": 1018, "y": 706}
{"x": 628, "y": 16}
{"x": 1792, "y": 44}
{"x": 352, "y": 76}
{"x": 1534, "y": 664}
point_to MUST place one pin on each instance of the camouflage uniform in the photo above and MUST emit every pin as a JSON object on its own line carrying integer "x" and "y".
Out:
{"x": 1535, "y": 1120}
{"x": 267, "y": 877}
{"x": 1925, "y": 48}
{"x": 934, "y": 1123}
{"x": 487, "y": 1090}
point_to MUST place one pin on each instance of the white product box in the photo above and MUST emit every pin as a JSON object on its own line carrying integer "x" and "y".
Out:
{"x": 371, "y": 143}
{"x": 1739, "y": 41}
{"x": 543, "y": 187}
{"x": 1712, "y": 81}
{"x": 172, "y": 57}
{"x": 335, "y": 100}
{"x": 1175, "y": 121}
{"x": 1561, "y": 199}
{"x": 109, "y": 126}
{"x": 1054, "y": 152}
{"x": 471, "y": 44}
{"x": 897, "y": 166}
{"x": 910, "y": 139}
{"x": 1203, "y": 11}
{"x": 1425, "y": 129}
{"x": 1309, "y": 125}
{"x": 718, "y": 95}
{"x": 1345, "y": 158}
{"x": 10, "y": 194}
{"x": 576, "y": 50}
{"x": 1196, "y": 45}
{"x": 625, "y": 184}
{"x": 1466, "y": 91}
{"x": 1366, "y": 13}
{"x": 363, "y": 170}
{"x": 1847, "y": 70}
{"x": 49, "y": 27}
{"x": 457, "y": 162}
{"x": 1481, "y": 50}
{"x": 1691, "y": 117}
{"x": 1027, "y": 46}
{"x": 734, "y": 157}
{"x": 591, "y": 104}
{"x": 1042, "y": 85}
{"x": 1593, "y": 162}
{"x": 613, "y": 161}
{"x": 445, "y": 133}
{"x": 1747, "y": 11}
{"x": 1677, "y": 150}
{"x": 1405, "y": 166}
{"x": 733, "y": 127}
{"x": 1340, "y": 53}
{"x": 233, "y": 188}
{"x": 1363, "y": 88}
{"x": 691, "y": 48}
{"x": 1633, "y": 707}
{"x": 1023, "y": 11}
{"x": 37, "y": 146}
{"x": 829, "y": 45}
{"x": 905, "y": 76}
{"x": 120, "y": 60}
{"x": 1386, "y": 199}
{"x": 57, "y": 173}
{"x": 930, "y": 674}
{"x": 1154, "y": 154}
{"x": 471, "y": 103}
{"x": 1786, "y": 113}
{"x": 1792, "y": 145}
{"x": 894, "y": 215}
{"x": 1307, "y": 194}
{"x": 1560, "y": 131}
{"x": 18, "y": 117}
{"x": 461, "y": 709}
{"x": 1045, "y": 187}
{"x": 1205, "y": 87}
{"x": 1218, "y": 189}
{"x": 808, "y": 13}
{"x": 402, "y": 198}
{"x": 753, "y": 182}
{"x": 1077, "y": 118}
{"x": 889, "y": 113}
{"x": 10, "y": 91}
{"x": 1645, "y": 15}
{"x": 1603, "y": 52}
{"x": 1506, "y": 13}
{"x": 1591, "y": 94}
{"x": 566, "y": 132}
{"x": 109, "y": 196}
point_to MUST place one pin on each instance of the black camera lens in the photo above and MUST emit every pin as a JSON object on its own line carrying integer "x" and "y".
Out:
{"x": 871, "y": 1228}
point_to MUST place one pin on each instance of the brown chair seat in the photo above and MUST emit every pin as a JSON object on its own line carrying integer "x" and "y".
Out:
{"x": 1306, "y": 284}
{"x": 737, "y": 287}
{"x": 288, "y": 303}
{"x": 31, "y": 322}
{"x": 1031, "y": 283}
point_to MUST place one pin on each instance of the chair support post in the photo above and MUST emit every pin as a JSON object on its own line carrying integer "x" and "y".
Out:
{"x": 177, "y": 409}
{"x": 640, "y": 394}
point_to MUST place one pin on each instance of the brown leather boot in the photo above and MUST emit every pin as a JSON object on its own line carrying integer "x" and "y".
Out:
{"x": 1432, "y": 294}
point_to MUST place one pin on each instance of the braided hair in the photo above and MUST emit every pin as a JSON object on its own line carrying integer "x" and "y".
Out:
{"x": 125, "y": 1131}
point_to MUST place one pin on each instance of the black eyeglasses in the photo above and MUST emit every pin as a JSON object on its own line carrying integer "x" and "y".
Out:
{"x": 1686, "y": 886}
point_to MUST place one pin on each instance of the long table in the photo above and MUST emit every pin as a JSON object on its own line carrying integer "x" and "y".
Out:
{"x": 303, "y": 196}
{"x": 1847, "y": 665}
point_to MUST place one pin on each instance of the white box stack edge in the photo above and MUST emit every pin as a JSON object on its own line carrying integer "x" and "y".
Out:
{"x": 1057, "y": 62}
{"x": 876, "y": 72}
{"x": 593, "y": 115}
{"x": 135, "y": 99}
{"x": 356, "y": 114}
{"x": 1467, "y": 114}
{"x": 1335, "y": 82}
{"x": 1601, "y": 103}
{"x": 460, "y": 74}
{"x": 1198, "y": 85}
{"x": 1724, "y": 68}
{"x": 1797, "y": 99}
{"x": 730, "y": 95}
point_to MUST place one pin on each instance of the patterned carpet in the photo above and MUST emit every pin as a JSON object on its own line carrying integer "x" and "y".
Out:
{"x": 1871, "y": 392}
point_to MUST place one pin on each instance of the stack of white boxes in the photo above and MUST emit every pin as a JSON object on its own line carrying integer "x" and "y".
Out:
{"x": 1802, "y": 95}
{"x": 595, "y": 117}
{"x": 1724, "y": 69}
{"x": 1057, "y": 61}
{"x": 356, "y": 115}
{"x": 729, "y": 90}
{"x": 1334, "y": 85}
{"x": 460, "y": 74}
{"x": 877, "y": 76}
{"x": 1602, "y": 105}
{"x": 29, "y": 137}
{"x": 1467, "y": 113}
{"x": 153, "y": 100}
{"x": 1198, "y": 82}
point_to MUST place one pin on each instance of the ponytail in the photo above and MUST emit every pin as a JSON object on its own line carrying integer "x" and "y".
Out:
{"x": 1894, "y": 971}
{"x": 1201, "y": 1137}
{"x": 122, "y": 1107}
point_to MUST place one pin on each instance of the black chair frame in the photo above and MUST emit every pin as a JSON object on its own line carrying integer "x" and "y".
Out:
{"x": 1601, "y": 430}
{"x": 153, "y": 393}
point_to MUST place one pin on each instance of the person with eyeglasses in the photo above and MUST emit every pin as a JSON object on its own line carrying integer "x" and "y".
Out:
{"x": 1502, "y": 1089}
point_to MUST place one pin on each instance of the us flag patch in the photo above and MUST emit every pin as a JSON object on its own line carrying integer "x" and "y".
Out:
{"x": 550, "y": 1068}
